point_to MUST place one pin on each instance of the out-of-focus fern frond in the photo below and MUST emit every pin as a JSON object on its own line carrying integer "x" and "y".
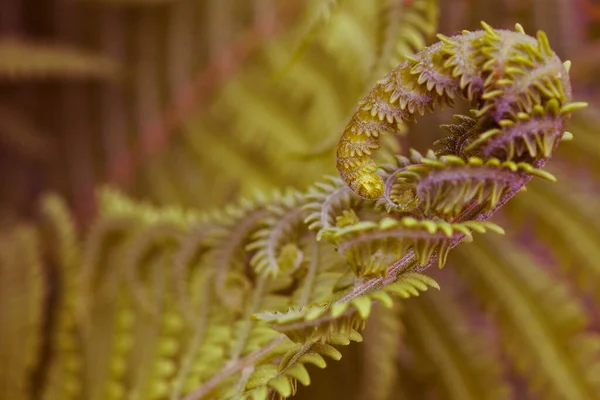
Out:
{"x": 64, "y": 372}
{"x": 381, "y": 350}
{"x": 23, "y": 293}
{"x": 569, "y": 232}
{"x": 542, "y": 323}
{"x": 287, "y": 122}
{"x": 318, "y": 14}
{"x": 466, "y": 367}
{"x": 584, "y": 150}
{"x": 21, "y": 60}
{"x": 404, "y": 28}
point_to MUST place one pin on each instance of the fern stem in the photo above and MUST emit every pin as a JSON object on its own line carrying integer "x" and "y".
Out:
{"x": 193, "y": 95}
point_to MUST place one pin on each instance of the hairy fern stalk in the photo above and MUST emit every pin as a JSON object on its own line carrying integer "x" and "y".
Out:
{"x": 235, "y": 303}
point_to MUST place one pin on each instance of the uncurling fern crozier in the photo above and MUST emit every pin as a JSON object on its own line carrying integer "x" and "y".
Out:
{"x": 232, "y": 304}
{"x": 519, "y": 89}
{"x": 401, "y": 219}
{"x": 412, "y": 213}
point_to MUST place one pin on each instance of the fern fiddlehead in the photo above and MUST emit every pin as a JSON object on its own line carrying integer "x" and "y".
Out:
{"x": 518, "y": 86}
{"x": 521, "y": 97}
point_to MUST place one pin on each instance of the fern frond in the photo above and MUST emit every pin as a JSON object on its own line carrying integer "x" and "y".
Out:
{"x": 65, "y": 370}
{"x": 342, "y": 317}
{"x": 324, "y": 271}
{"x": 371, "y": 247}
{"x": 148, "y": 252}
{"x": 101, "y": 244}
{"x": 326, "y": 202}
{"x": 233, "y": 303}
{"x": 438, "y": 76}
{"x": 462, "y": 360}
{"x": 106, "y": 312}
{"x": 346, "y": 314}
{"x": 568, "y": 231}
{"x": 282, "y": 379}
{"x": 230, "y": 255}
{"x": 405, "y": 28}
{"x": 192, "y": 271}
{"x": 530, "y": 135}
{"x": 276, "y": 242}
{"x": 540, "y": 320}
{"x": 203, "y": 353}
{"x": 155, "y": 379}
{"x": 22, "y": 295}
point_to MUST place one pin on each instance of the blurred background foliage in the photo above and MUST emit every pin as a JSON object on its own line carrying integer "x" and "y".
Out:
{"x": 199, "y": 102}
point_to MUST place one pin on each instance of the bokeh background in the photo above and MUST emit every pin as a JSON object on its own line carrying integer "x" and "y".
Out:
{"x": 199, "y": 102}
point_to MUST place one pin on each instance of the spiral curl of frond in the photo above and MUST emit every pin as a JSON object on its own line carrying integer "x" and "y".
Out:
{"x": 232, "y": 304}
{"x": 519, "y": 87}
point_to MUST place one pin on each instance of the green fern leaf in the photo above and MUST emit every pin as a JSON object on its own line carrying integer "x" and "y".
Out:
{"x": 22, "y": 295}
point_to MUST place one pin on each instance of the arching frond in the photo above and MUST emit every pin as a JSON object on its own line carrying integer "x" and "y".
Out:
{"x": 276, "y": 245}
{"x": 405, "y": 28}
{"x": 65, "y": 370}
{"x": 559, "y": 220}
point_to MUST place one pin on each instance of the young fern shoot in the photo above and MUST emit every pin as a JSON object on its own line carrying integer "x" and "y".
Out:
{"x": 409, "y": 216}
{"x": 233, "y": 304}
{"x": 518, "y": 87}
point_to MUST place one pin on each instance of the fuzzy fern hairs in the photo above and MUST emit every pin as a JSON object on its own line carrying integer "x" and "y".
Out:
{"x": 518, "y": 86}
